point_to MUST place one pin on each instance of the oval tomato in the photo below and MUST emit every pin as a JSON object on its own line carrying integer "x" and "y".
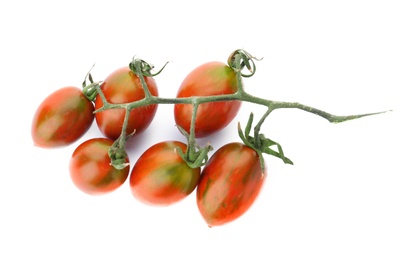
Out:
{"x": 230, "y": 183}
{"x": 91, "y": 170}
{"x": 161, "y": 177}
{"x": 62, "y": 118}
{"x": 124, "y": 86}
{"x": 212, "y": 78}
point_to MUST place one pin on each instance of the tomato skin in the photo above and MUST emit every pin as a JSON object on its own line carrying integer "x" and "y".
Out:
{"x": 90, "y": 168}
{"x": 62, "y": 118}
{"x": 161, "y": 177}
{"x": 123, "y": 86}
{"x": 212, "y": 78}
{"x": 229, "y": 184}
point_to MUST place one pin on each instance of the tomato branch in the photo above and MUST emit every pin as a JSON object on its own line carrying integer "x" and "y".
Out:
{"x": 195, "y": 155}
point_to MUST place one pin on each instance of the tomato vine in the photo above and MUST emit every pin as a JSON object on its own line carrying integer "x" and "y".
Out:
{"x": 197, "y": 156}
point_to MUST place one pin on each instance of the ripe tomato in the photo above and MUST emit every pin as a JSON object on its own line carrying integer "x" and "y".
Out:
{"x": 230, "y": 183}
{"x": 90, "y": 168}
{"x": 123, "y": 86}
{"x": 161, "y": 177}
{"x": 62, "y": 118}
{"x": 212, "y": 78}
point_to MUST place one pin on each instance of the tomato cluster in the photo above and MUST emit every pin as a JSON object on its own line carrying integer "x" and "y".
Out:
{"x": 226, "y": 185}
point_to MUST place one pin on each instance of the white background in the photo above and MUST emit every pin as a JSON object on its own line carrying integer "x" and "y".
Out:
{"x": 346, "y": 197}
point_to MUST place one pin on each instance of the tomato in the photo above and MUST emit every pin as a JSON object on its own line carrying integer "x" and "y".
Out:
{"x": 212, "y": 78}
{"x": 123, "y": 86}
{"x": 230, "y": 183}
{"x": 62, "y": 118}
{"x": 161, "y": 177}
{"x": 91, "y": 170}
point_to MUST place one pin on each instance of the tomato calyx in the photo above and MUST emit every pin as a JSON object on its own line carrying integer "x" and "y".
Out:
{"x": 239, "y": 59}
{"x": 195, "y": 156}
{"x": 260, "y": 143}
{"x": 141, "y": 67}
{"x": 90, "y": 90}
{"x": 118, "y": 154}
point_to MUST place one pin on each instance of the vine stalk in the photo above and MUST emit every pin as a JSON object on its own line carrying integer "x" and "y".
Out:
{"x": 196, "y": 156}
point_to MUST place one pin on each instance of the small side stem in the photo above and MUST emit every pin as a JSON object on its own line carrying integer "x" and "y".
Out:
{"x": 191, "y": 138}
{"x": 257, "y": 127}
{"x": 238, "y": 74}
{"x": 138, "y": 72}
{"x": 124, "y": 127}
{"x": 117, "y": 151}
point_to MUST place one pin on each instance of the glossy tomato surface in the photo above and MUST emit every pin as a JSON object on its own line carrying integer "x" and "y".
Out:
{"x": 123, "y": 86}
{"x": 212, "y": 78}
{"x": 62, "y": 118}
{"x": 229, "y": 184}
{"x": 90, "y": 168}
{"x": 161, "y": 177}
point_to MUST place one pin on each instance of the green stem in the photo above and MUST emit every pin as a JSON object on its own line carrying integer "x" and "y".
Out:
{"x": 117, "y": 151}
{"x": 196, "y": 156}
{"x": 137, "y": 69}
{"x": 272, "y": 105}
{"x": 124, "y": 127}
{"x": 330, "y": 117}
{"x": 257, "y": 127}
{"x": 191, "y": 138}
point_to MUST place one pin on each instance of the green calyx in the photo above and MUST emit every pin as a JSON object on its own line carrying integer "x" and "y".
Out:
{"x": 239, "y": 59}
{"x": 117, "y": 152}
{"x": 90, "y": 90}
{"x": 141, "y": 67}
{"x": 118, "y": 158}
{"x": 260, "y": 143}
{"x": 195, "y": 156}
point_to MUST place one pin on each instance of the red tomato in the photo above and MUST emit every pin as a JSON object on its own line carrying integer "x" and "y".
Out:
{"x": 230, "y": 183}
{"x": 90, "y": 168}
{"x": 161, "y": 177}
{"x": 62, "y": 118}
{"x": 123, "y": 86}
{"x": 212, "y": 78}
